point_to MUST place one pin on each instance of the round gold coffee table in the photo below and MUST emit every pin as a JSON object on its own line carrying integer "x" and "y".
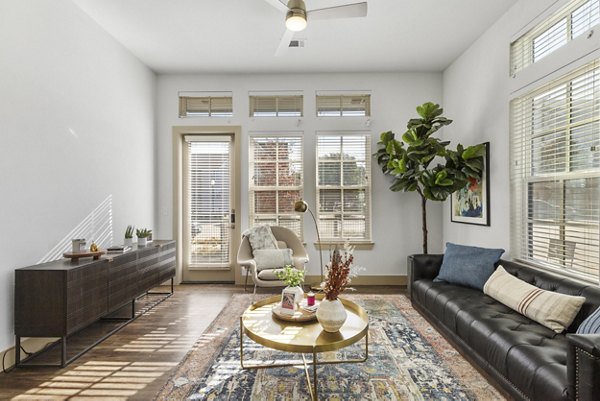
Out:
{"x": 259, "y": 324}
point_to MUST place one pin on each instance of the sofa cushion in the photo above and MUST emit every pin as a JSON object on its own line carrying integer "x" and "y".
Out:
{"x": 553, "y": 310}
{"x": 591, "y": 325}
{"x": 470, "y": 266}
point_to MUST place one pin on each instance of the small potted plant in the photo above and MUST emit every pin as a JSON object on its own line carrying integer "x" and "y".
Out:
{"x": 142, "y": 235}
{"x": 294, "y": 279}
{"x": 129, "y": 236}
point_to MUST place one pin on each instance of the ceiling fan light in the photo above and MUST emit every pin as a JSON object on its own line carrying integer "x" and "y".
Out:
{"x": 295, "y": 20}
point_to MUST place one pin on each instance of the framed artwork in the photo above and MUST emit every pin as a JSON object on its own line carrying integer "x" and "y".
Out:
{"x": 471, "y": 205}
{"x": 288, "y": 304}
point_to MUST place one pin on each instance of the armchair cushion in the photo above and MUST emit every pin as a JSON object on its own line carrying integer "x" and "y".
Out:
{"x": 269, "y": 274}
{"x": 261, "y": 237}
{"x": 272, "y": 258}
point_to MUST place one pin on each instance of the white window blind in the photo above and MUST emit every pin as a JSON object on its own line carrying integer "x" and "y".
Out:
{"x": 276, "y": 106}
{"x": 576, "y": 18}
{"x": 343, "y": 187}
{"x": 275, "y": 180}
{"x": 205, "y": 106}
{"x": 208, "y": 200}
{"x": 555, "y": 174}
{"x": 343, "y": 105}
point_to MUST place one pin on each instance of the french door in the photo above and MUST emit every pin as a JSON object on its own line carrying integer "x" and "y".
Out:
{"x": 208, "y": 208}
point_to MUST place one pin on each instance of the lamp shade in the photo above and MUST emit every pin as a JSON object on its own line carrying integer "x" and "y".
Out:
{"x": 301, "y": 206}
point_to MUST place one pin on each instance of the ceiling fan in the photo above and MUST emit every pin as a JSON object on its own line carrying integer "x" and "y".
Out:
{"x": 297, "y": 16}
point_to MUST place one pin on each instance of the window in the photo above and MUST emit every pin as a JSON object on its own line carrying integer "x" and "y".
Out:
{"x": 573, "y": 20}
{"x": 555, "y": 176}
{"x": 343, "y": 105}
{"x": 276, "y": 106}
{"x": 275, "y": 180}
{"x": 197, "y": 105}
{"x": 343, "y": 187}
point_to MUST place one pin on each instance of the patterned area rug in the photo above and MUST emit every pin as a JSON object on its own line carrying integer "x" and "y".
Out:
{"x": 408, "y": 360}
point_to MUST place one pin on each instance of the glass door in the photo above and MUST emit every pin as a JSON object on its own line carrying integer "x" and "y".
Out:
{"x": 208, "y": 213}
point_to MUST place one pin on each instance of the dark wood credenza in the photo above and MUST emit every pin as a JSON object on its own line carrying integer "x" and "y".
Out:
{"x": 59, "y": 298}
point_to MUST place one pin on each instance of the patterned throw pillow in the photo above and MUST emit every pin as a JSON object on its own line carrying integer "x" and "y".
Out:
{"x": 551, "y": 309}
{"x": 470, "y": 266}
{"x": 591, "y": 325}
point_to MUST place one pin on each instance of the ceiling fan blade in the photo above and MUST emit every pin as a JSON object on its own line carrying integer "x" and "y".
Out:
{"x": 346, "y": 11}
{"x": 284, "y": 43}
{"x": 278, "y": 5}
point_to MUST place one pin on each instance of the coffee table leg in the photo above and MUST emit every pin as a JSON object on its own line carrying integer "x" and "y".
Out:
{"x": 315, "y": 383}
{"x": 312, "y": 387}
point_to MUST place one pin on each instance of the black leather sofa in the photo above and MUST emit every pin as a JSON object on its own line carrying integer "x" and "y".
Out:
{"x": 525, "y": 359}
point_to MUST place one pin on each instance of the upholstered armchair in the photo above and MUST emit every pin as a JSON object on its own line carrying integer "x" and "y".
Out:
{"x": 268, "y": 277}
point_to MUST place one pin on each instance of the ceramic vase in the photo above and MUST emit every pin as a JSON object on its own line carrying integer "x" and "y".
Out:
{"x": 128, "y": 242}
{"x": 299, "y": 293}
{"x": 331, "y": 315}
{"x": 142, "y": 241}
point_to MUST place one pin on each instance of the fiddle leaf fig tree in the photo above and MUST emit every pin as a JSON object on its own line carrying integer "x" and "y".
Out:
{"x": 424, "y": 164}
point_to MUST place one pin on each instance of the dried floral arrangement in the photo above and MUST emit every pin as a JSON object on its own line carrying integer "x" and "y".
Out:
{"x": 340, "y": 272}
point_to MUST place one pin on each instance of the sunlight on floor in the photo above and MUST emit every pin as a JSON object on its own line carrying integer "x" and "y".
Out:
{"x": 160, "y": 341}
{"x": 98, "y": 380}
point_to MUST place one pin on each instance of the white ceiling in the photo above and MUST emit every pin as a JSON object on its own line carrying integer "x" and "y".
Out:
{"x": 242, "y": 36}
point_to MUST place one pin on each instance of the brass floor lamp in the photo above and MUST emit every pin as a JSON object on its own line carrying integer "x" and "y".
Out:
{"x": 301, "y": 206}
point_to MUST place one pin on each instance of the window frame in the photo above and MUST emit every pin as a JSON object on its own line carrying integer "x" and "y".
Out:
{"x": 276, "y": 112}
{"x": 367, "y": 187}
{"x": 366, "y": 97}
{"x": 522, "y": 49}
{"x": 253, "y": 189}
{"x": 184, "y": 97}
{"x": 524, "y": 176}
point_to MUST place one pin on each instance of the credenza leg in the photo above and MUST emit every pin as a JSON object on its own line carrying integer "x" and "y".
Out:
{"x": 63, "y": 352}
{"x": 133, "y": 308}
{"x": 18, "y": 351}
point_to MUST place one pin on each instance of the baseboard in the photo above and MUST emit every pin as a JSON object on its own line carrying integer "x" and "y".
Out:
{"x": 31, "y": 345}
{"x": 360, "y": 280}
{"x": 367, "y": 280}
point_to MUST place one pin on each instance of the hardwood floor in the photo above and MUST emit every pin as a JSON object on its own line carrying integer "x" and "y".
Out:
{"x": 134, "y": 363}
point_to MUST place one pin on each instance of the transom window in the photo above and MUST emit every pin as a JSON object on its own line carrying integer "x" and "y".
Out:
{"x": 347, "y": 105}
{"x": 343, "y": 187}
{"x": 575, "y": 19}
{"x": 276, "y": 106}
{"x": 199, "y": 105}
{"x": 556, "y": 174}
{"x": 275, "y": 180}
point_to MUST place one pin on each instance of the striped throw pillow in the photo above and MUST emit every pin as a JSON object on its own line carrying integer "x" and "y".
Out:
{"x": 591, "y": 325}
{"x": 551, "y": 309}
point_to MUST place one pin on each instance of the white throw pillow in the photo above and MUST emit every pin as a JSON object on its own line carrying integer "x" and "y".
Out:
{"x": 261, "y": 237}
{"x": 551, "y": 309}
{"x": 272, "y": 258}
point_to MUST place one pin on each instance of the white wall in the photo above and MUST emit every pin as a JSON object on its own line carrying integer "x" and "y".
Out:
{"x": 476, "y": 95}
{"x": 396, "y": 216}
{"x": 76, "y": 127}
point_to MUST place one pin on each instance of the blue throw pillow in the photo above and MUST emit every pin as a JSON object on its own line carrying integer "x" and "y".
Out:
{"x": 470, "y": 266}
{"x": 591, "y": 325}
